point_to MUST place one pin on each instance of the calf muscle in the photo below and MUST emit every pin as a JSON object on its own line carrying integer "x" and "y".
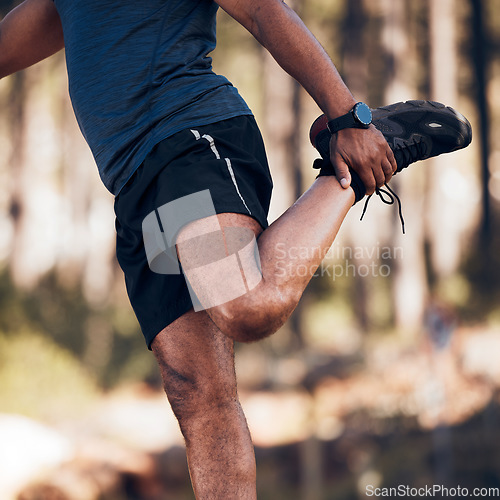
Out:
{"x": 197, "y": 365}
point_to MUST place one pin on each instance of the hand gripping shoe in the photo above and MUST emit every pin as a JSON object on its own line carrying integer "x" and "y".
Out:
{"x": 414, "y": 130}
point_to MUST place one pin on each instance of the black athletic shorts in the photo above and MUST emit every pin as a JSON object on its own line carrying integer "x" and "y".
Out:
{"x": 226, "y": 158}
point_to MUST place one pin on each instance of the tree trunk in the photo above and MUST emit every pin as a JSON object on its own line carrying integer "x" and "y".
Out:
{"x": 16, "y": 112}
{"x": 445, "y": 228}
{"x": 410, "y": 283}
{"x": 480, "y": 44}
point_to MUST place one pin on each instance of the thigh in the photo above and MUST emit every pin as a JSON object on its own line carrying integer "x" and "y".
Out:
{"x": 196, "y": 362}
{"x": 195, "y": 239}
{"x": 216, "y": 169}
{"x": 220, "y": 259}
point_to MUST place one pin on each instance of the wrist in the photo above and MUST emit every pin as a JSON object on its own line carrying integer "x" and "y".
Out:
{"x": 339, "y": 108}
{"x": 359, "y": 116}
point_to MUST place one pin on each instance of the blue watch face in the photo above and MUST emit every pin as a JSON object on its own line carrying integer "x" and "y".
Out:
{"x": 363, "y": 113}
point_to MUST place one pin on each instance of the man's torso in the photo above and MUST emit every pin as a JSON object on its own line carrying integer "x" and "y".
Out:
{"x": 140, "y": 72}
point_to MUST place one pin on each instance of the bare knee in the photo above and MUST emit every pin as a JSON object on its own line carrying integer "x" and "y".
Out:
{"x": 256, "y": 315}
{"x": 194, "y": 399}
{"x": 196, "y": 362}
{"x": 224, "y": 275}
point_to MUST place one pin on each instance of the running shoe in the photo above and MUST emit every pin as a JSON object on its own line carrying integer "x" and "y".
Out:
{"x": 414, "y": 130}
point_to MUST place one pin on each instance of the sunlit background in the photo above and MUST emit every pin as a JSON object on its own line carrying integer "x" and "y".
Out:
{"x": 388, "y": 373}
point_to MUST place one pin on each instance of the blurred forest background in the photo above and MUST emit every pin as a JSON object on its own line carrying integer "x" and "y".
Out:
{"x": 388, "y": 372}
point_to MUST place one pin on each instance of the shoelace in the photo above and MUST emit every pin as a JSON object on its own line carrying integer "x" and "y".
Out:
{"x": 390, "y": 198}
{"x": 410, "y": 152}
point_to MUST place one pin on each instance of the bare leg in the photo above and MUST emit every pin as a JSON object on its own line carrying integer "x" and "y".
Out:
{"x": 195, "y": 353}
{"x": 295, "y": 242}
{"x": 197, "y": 366}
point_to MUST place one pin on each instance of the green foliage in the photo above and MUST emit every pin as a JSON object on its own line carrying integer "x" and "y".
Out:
{"x": 59, "y": 312}
{"x": 107, "y": 341}
{"x": 40, "y": 378}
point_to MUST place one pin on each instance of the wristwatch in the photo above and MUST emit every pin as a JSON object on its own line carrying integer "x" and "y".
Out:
{"x": 360, "y": 116}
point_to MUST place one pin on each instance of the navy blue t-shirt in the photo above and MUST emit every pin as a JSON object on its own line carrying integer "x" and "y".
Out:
{"x": 139, "y": 71}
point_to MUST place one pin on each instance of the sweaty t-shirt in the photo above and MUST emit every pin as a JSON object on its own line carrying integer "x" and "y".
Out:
{"x": 139, "y": 71}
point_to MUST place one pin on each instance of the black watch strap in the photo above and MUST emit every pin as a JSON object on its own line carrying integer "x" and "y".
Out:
{"x": 344, "y": 121}
{"x": 360, "y": 116}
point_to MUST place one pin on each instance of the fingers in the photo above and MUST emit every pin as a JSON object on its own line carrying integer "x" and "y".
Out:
{"x": 380, "y": 164}
{"x": 366, "y": 152}
{"x": 384, "y": 164}
{"x": 370, "y": 180}
{"x": 388, "y": 170}
{"x": 342, "y": 171}
{"x": 373, "y": 167}
{"x": 380, "y": 176}
{"x": 389, "y": 165}
{"x": 340, "y": 163}
{"x": 392, "y": 159}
